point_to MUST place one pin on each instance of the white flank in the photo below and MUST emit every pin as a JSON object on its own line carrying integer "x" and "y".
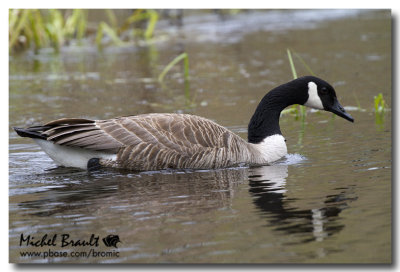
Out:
{"x": 313, "y": 98}
{"x": 271, "y": 148}
{"x": 71, "y": 156}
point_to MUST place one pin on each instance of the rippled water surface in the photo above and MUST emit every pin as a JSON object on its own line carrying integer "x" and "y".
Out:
{"x": 328, "y": 201}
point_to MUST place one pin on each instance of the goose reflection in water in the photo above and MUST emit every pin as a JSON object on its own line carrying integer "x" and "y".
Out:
{"x": 268, "y": 187}
{"x": 159, "y": 194}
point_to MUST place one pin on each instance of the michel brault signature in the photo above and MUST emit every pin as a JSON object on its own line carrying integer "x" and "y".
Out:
{"x": 65, "y": 240}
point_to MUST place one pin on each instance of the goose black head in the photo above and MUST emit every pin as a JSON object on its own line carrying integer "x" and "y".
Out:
{"x": 322, "y": 96}
{"x": 309, "y": 91}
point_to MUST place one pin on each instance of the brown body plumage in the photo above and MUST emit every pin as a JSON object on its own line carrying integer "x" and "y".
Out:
{"x": 153, "y": 141}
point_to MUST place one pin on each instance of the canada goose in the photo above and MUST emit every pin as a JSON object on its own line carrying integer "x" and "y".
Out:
{"x": 161, "y": 141}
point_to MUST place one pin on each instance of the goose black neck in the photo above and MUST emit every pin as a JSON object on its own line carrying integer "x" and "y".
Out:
{"x": 265, "y": 120}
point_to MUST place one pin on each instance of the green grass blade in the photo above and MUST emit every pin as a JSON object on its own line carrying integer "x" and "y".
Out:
{"x": 379, "y": 104}
{"x": 186, "y": 77}
{"x": 291, "y": 64}
{"x": 112, "y": 18}
{"x": 38, "y": 29}
{"x": 81, "y": 25}
{"x": 292, "y": 67}
{"x": 151, "y": 24}
{"x": 137, "y": 15}
{"x": 376, "y": 103}
{"x": 55, "y": 28}
{"x": 71, "y": 22}
{"x": 105, "y": 28}
{"x": 304, "y": 63}
{"x": 186, "y": 67}
{"x": 14, "y": 33}
{"x": 99, "y": 35}
{"x": 289, "y": 110}
{"x": 172, "y": 64}
{"x": 12, "y": 18}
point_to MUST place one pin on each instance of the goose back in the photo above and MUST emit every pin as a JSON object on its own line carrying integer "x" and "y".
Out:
{"x": 153, "y": 141}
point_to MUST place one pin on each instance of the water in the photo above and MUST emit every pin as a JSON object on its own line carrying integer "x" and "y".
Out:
{"x": 328, "y": 201}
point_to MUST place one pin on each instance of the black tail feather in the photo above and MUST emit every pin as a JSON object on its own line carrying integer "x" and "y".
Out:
{"x": 32, "y": 132}
{"x": 93, "y": 164}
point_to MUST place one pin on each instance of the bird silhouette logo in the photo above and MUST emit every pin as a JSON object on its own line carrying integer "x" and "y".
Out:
{"x": 111, "y": 240}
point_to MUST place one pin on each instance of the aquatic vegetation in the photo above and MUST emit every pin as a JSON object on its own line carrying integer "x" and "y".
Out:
{"x": 139, "y": 16}
{"x": 292, "y": 109}
{"x": 44, "y": 28}
{"x": 182, "y": 57}
{"x": 55, "y": 28}
{"x": 379, "y": 104}
{"x": 105, "y": 28}
{"x": 297, "y": 110}
{"x": 303, "y": 62}
{"x": 152, "y": 18}
{"x": 176, "y": 60}
{"x": 291, "y": 64}
{"x": 39, "y": 28}
{"x": 380, "y": 108}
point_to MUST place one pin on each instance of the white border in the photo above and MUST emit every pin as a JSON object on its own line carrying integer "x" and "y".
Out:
{"x": 394, "y": 5}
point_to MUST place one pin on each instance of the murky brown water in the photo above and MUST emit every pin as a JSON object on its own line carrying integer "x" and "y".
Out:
{"x": 328, "y": 201}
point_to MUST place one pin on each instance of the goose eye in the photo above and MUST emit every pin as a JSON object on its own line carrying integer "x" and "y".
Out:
{"x": 324, "y": 90}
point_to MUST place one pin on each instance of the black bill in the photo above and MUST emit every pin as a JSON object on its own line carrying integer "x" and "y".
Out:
{"x": 339, "y": 110}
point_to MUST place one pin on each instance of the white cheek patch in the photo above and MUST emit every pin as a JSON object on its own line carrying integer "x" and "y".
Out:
{"x": 314, "y": 101}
